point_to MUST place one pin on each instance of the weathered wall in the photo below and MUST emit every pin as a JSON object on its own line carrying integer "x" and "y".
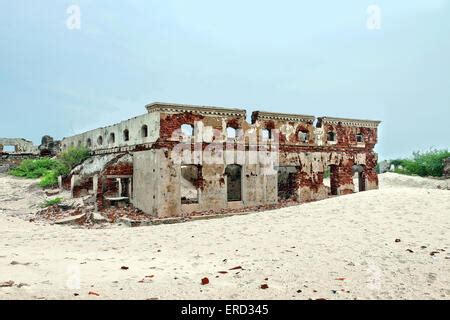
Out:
{"x": 294, "y": 141}
{"x": 10, "y": 161}
{"x": 21, "y": 145}
{"x": 134, "y": 127}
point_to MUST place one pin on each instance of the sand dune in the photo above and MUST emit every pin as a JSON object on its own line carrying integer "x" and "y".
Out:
{"x": 340, "y": 248}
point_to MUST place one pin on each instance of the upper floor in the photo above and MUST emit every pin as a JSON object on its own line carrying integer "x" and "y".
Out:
{"x": 166, "y": 123}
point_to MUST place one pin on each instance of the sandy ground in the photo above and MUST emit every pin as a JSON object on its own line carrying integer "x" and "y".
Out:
{"x": 340, "y": 248}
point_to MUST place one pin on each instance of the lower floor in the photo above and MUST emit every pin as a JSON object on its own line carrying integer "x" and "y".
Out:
{"x": 157, "y": 183}
{"x": 164, "y": 188}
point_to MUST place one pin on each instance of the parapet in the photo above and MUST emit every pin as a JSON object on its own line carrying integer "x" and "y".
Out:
{"x": 173, "y": 108}
{"x": 347, "y": 122}
{"x": 262, "y": 115}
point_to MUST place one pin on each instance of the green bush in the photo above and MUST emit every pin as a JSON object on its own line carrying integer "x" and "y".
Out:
{"x": 51, "y": 202}
{"x": 49, "y": 180}
{"x": 34, "y": 169}
{"x": 49, "y": 169}
{"x": 424, "y": 164}
{"x": 73, "y": 157}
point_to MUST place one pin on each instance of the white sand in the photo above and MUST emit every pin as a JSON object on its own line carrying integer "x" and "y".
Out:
{"x": 302, "y": 248}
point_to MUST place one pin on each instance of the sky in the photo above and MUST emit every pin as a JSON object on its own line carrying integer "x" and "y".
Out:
{"x": 305, "y": 57}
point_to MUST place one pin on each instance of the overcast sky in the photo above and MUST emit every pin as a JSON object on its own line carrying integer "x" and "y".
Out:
{"x": 306, "y": 57}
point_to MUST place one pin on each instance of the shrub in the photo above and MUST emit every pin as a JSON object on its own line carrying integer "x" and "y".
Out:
{"x": 49, "y": 180}
{"x": 73, "y": 157}
{"x": 51, "y": 202}
{"x": 424, "y": 164}
{"x": 49, "y": 169}
{"x": 33, "y": 169}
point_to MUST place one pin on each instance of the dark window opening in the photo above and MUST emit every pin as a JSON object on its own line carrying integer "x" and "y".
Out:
{"x": 100, "y": 140}
{"x": 112, "y": 138}
{"x": 125, "y": 189}
{"x": 144, "y": 131}
{"x": 88, "y": 143}
{"x": 330, "y": 179}
{"x": 233, "y": 173}
{"x": 126, "y": 135}
{"x": 287, "y": 183}
{"x": 331, "y": 136}
{"x": 359, "y": 138}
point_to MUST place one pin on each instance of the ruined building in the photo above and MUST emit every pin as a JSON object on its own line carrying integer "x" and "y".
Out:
{"x": 13, "y": 151}
{"x": 16, "y": 146}
{"x": 178, "y": 159}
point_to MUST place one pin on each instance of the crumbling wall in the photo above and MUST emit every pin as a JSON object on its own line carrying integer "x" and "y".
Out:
{"x": 49, "y": 146}
{"x": 119, "y": 168}
{"x": 21, "y": 146}
{"x": 113, "y": 138}
{"x": 293, "y": 141}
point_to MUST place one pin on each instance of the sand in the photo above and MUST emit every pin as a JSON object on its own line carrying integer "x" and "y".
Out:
{"x": 340, "y": 248}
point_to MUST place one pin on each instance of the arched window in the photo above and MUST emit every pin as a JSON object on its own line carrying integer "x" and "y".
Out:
{"x": 359, "y": 138}
{"x": 79, "y": 144}
{"x": 88, "y": 143}
{"x": 100, "y": 140}
{"x": 144, "y": 131}
{"x": 331, "y": 136}
{"x": 231, "y": 133}
{"x": 126, "y": 135}
{"x": 187, "y": 130}
{"x": 303, "y": 136}
{"x": 266, "y": 134}
{"x": 72, "y": 144}
{"x": 112, "y": 138}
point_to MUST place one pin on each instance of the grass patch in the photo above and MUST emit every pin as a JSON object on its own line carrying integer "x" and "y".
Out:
{"x": 51, "y": 202}
{"x": 50, "y": 179}
{"x": 49, "y": 169}
{"x": 424, "y": 164}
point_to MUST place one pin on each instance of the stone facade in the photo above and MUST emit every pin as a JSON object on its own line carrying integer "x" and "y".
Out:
{"x": 182, "y": 159}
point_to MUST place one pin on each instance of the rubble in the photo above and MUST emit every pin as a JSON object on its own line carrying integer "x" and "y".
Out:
{"x": 78, "y": 219}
